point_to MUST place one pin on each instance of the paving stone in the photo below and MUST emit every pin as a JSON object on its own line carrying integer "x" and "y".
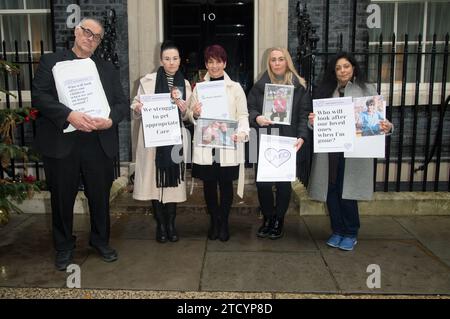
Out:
{"x": 406, "y": 268}
{"x": 147, "y": 265}
{"x": 28, "y": 261}
{"x": 243, "y": 237}
{"x": 268, "y": 272}
{"x": 433, "y": 232}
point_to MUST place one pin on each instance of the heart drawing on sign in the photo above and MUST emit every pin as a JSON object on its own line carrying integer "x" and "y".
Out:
{"x": 348, "y": 146}
{"x": 277, "y": 158}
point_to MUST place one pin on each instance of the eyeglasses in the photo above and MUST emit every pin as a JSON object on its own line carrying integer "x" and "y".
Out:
{"x": 89, "y": 34}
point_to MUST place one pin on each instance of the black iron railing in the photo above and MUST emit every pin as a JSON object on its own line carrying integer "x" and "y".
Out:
{"x": 416, "y": 106}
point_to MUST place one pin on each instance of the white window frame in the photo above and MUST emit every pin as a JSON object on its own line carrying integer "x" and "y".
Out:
{"x": 410, "y": 87}
{"x": 26, "y": 94}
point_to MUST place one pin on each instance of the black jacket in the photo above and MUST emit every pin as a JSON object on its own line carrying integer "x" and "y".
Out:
{"x": 50, "y": 140}
{"x": 301, "y": 107}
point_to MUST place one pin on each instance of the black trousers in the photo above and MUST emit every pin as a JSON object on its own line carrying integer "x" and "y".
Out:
{"x": 344, "y": 214}
{"x": 87, "y": 161}
{"x": 277, "y": 206}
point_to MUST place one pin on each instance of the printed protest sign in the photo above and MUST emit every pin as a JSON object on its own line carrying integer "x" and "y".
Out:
{"x": 334, "y": 125}
{"x": 160, "y": 120}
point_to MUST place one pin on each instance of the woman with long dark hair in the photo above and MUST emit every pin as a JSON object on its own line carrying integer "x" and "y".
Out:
{"x": 339, "y": 181}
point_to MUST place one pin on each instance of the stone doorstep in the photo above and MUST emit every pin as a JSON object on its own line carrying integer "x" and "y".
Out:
{"x": 384, "y": 204}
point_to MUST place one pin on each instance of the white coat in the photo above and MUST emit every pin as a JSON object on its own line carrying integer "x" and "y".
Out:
{"x": 237, "y": 108}
{"x": 145, "y": 171}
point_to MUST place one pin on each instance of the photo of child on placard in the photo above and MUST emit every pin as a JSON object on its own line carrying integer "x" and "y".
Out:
{"x": 176, "y": 94}
{"x": 215, "y": 133}
{"x": 278, "y": 103}
{"x": 369, "y": 112}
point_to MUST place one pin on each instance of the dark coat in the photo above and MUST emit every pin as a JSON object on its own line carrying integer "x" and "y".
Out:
{"x": 301, "y": 107}
{"x": 50, "y": 140}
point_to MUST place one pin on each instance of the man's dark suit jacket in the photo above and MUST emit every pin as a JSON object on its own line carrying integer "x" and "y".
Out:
{"x": 50, "y": 140}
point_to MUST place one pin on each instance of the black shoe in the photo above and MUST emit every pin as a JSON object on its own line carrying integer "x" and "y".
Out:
{"x": 161, "y": 233}
{"x": 172, "y": 234}
{"x": 277, "y": 229}
{"x": 214, "y": 225}
{"x": 63, "y": 259}
{"x": 160, "y": 217}
{"x": 266, "y": 227}
{"x": 224, "y": 233}
{"x": 107, "y": 253}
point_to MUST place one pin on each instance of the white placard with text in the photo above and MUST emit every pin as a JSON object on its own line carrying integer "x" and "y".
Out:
{"x": 334, "y": 125}
{"x": 160, "y": 120}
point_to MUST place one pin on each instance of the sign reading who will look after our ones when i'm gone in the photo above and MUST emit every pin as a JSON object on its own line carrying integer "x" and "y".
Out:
{"x": 334, "y": 125}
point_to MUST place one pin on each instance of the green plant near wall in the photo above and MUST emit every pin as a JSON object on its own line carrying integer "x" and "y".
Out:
{"x": 14, "y": 188}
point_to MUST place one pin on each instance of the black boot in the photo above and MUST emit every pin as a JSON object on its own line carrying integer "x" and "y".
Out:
{"x": 224, "y": 234}
{"x": 161, "y": 228}
{"x": 171, "y": 213}
{"x": 214, "y": 224}
{"x": 277, "y": 229}
{"x": 266, "y": 227}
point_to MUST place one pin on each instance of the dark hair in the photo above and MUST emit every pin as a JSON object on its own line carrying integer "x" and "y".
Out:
{"x": 97, "y": 21}
{"x": 167, "y": 45}
{"x": 215, "y": 52}
{"x": 370, "y": 101}
{"x": 329, "y": 81}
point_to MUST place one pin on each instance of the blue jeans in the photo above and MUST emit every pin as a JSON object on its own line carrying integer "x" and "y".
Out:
{"x": 344, "y": 214}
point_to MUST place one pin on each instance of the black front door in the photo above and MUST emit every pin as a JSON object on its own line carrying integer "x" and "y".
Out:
{"x": 194, "y": 25}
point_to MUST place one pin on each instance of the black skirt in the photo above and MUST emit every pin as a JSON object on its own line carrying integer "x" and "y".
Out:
{"x": 215, "y": 172}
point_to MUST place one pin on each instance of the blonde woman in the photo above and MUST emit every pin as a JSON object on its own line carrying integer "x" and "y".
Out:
{"x": 280, "y": 70}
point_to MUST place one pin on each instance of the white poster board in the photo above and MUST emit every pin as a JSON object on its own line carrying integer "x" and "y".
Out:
{"x": 214, "y": 100}
{"x": 370, "y": 140}
{"x": 277, "y": 159}
{"x": 80, "y": 89}
{"x": 334, "y": 125}
{"x": 160, "y": 121}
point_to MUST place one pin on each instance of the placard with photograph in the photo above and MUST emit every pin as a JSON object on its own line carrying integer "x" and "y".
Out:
{"x": 277, "y": 159}
{"x": 176, "y": 93}
{"x": 370, "y": 141}
{"x": 215, "y": 133}
{"x": 160, "y": 121}
{"x": 278, "y": 103}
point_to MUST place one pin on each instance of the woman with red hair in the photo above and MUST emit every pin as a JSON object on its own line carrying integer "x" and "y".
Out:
{"x": 220, "y": 167}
